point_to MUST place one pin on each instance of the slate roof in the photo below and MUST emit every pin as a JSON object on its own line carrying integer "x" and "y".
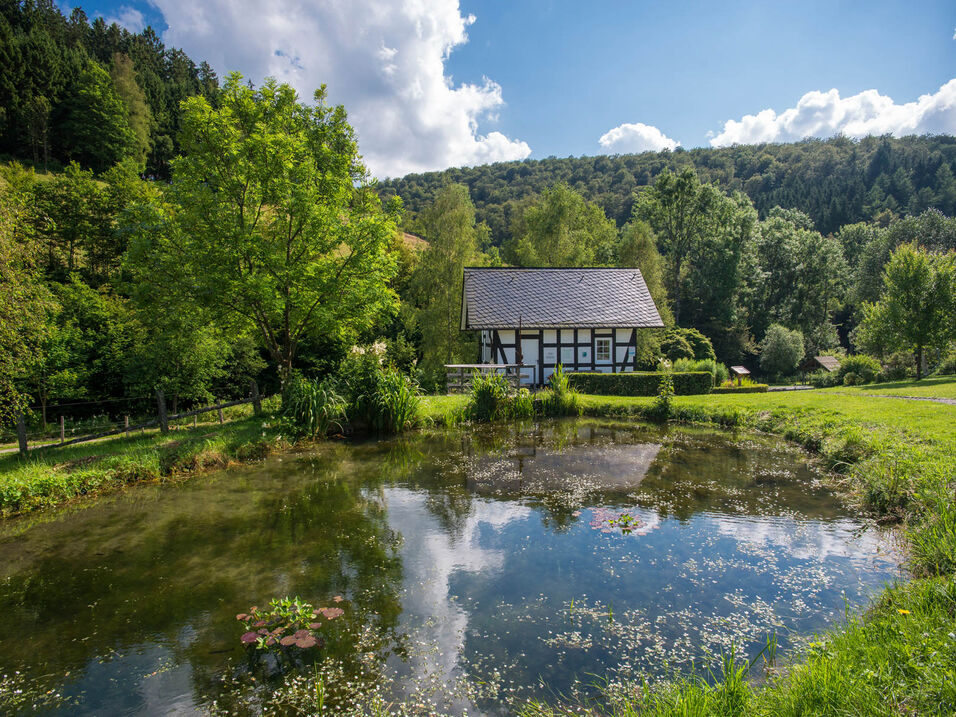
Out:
{"x": 829, "y": 363}
{"x": 556, "y": 298}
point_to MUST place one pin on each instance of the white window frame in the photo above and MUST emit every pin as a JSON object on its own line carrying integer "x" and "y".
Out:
{"x": 602, "y": 349}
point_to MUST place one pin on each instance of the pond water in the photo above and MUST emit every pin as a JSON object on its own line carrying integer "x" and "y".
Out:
{"x": 477, "y": 567}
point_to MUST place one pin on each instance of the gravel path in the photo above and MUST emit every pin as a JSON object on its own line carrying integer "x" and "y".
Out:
{"x": 947, "y": 401}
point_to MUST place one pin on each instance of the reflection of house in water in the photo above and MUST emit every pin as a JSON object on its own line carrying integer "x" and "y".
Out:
{"x": 533, "y": 469}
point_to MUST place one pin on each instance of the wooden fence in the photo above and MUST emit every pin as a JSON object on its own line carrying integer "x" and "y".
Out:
{"x": 162, "y": 420}
{"x": 458, "y": 375}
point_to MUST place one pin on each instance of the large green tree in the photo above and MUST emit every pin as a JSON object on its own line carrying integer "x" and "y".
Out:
{"x": 702, "y": 234}
{"x": 638, "y": 247}
{"x": 448, "y": 224}
{"x": 270, "y": 221}
{"x": 24, "y": 302}
{"x": 560, "y": 228}
{"x": 96, "y": 129}
{"x": 916, "y": 309}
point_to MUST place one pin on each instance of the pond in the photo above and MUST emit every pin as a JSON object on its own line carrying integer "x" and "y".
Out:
{"x": 476, "y": 568}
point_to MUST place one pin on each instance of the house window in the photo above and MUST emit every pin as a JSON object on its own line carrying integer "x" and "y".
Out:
{"x": 602, "y": 349}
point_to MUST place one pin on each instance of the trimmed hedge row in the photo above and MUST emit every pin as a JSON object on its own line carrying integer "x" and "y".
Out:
{"x": 640, "y": 383}
{"x": 756, "y": 388}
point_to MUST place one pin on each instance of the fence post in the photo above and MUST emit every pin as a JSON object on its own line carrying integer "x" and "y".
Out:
{"x": 62, "y": 429}
{"x": 194, "y": 420}
{"x": 256, "y": 402}
{"x": 22, "y": 434}
{"x": 161, "y": 403}
{"x": 126, "y": 424}
{"x": 220, "y": 413}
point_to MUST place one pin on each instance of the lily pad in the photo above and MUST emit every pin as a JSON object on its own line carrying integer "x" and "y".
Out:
{"x": 249, "y": 637}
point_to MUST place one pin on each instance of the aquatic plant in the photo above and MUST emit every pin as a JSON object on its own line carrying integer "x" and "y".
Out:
{"x": 286, "y": 623}
{"x": 380, "y": 396}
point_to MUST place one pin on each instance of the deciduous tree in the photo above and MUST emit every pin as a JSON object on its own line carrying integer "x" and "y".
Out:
{"x": 270, "y": 221}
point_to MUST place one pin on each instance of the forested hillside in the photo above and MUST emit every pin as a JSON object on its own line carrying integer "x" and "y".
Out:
{"x": 837, "y": 181}
{"x": 71, "y": 90}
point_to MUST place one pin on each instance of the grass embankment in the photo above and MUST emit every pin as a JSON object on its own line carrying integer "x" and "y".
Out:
{"x": 898, "y": 458}
{"x": 50, "y": 477}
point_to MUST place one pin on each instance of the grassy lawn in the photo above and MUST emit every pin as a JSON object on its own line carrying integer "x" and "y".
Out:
{"x": 933, "y": 387}
{"x": 54, "y": 476}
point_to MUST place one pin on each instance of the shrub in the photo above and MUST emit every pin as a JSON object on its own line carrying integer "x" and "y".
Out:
{"x": 781, "y": 351}
{"x": 489, "y": 396}
{"x": 522, "y": 405}
{"x": 663, "y": 405}
{"x": 396, "y": 402}
{"x": 823, "y": 379}
{"x": 381, "y": 397}
{"x": 312, "y": 408}
{"x": 560, "y": 399}
{"x": 864, "y": 369}
{"x": 717, "y": 370}
{"x": 947, "y": 366}
{"x": 640, "y": 383}
{"x": 701, "y": 345}
{"x": 675, "y": 347}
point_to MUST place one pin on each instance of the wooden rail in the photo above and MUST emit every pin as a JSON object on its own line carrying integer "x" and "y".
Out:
{"x": 162, "y": 419}
{"x": 458, "y": 376}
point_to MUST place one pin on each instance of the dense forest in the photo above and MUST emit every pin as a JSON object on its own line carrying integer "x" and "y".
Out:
{"x": 835, "y": 181}
{"x": 71, "y": 90}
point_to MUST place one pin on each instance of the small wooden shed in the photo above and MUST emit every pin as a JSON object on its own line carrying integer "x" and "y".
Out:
{"x": 817, "y": 363}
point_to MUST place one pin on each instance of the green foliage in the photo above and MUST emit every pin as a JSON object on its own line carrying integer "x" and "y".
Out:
{"x": 897, "y": 366}
{"x": 24, "y": 301}
{"x": 313, "y": 408}
{"x": 560, "y": 399}
{"x": 51, "y": 97}
{"x": 835, "y": 181}
{"x": 96, "y": 127}
{"x": 640, "y": 383}
{"x": 781, "y": 351}
{"x": 675, "y": 347}
{"x": 947, "y": 367}
{"x": 522, "y": 405}
{"x": 490, "y": 396}
{"x": 285, "y": 624}
{"x": 663, "y": 403}
{"x": 916, "y": 309}
{"x": 448, "y": 224}
{"x": 560, "y": 228}
{"x": 638, "y": 247}
{"x": 717, "y": 370}
{"x": 858, "y": 369}
{"x": 293, "y": 195}
{"x": 379, "y": 396}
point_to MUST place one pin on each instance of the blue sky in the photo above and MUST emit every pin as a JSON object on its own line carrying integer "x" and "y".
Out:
{"x": 441, "y": 83}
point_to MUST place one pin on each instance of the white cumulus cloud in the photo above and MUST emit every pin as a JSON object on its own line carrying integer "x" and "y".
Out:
{"x": 636, "y": 137}
{"x": 824, "y": 114}
{"x": 128, "y": 17}
{"x": 385, "y": 61}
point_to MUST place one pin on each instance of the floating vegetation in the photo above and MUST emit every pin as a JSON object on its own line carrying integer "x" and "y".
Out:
{"x": 286, "y": 622}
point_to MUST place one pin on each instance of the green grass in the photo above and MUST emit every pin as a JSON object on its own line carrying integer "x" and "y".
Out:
{"x": 932, "y": 387}
{"x": 54, "y": 476}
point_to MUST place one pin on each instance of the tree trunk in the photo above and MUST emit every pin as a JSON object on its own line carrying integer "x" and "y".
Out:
{"x": 919, "y": 363}
{"x": 43, "y": 409}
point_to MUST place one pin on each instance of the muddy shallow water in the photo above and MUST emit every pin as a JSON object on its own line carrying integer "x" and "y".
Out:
{"x": 478, "y": 567}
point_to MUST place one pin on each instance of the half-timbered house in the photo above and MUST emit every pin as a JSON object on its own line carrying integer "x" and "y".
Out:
{"x": 584, "y": 319}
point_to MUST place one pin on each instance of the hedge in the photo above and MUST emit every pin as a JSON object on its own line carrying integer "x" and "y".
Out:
{"x": 641, "y": 383}
{"x": 754, "y": 388}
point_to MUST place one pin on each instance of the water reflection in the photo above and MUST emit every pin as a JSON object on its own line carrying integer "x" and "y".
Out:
{"x": 479, "y": 566}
